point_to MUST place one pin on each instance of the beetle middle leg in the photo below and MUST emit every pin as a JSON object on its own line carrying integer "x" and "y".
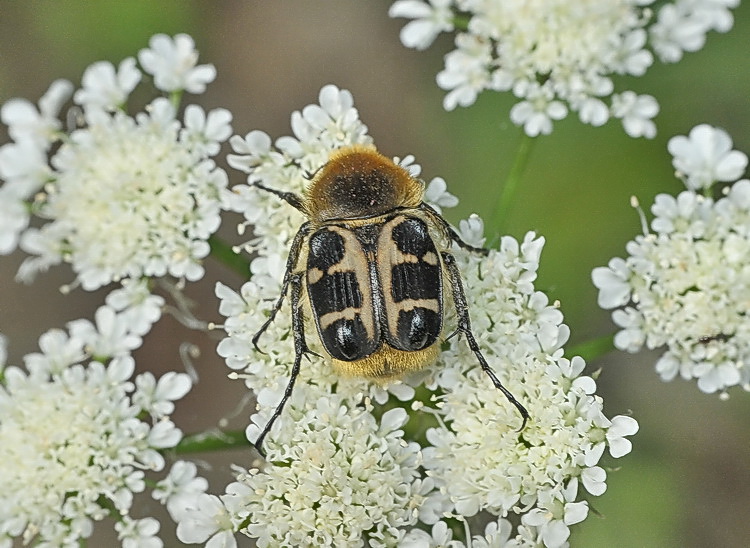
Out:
{"x": 291, "y": 265}
{"x": 300, "y": 347}
{"x": 452, "y": 234}
{"x": 464, "y": 327}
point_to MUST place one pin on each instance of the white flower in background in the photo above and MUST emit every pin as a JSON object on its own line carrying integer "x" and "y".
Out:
{"x": 557, "y": 56}
{"x": 173, "y": 64}
{"x": 706, "y": 157}
{"x": 429, "y": 19}
{"x": 180, "y": 488}
{"x": 339, "y": 469}
{"x": 104, "y": 88}
{"x": 207, "y": 521}
{"x": 686, "y": 285}
{"x": 77, "y": 436}
{"x": 682, "y": 25}
{"x": 121, "y": 197}
{"x": 140, "y": 533}
{"x": 23, "y": 163}
{"x": 636, "y": 113}
{"x": 38, "y": 125}
{"x": 440, "y": 536}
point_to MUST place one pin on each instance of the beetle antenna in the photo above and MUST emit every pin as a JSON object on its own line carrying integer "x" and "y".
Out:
{"x": 289, "y": 197}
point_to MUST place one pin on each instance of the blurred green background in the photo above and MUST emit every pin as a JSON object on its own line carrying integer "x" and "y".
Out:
{"x": 687, "y": 481}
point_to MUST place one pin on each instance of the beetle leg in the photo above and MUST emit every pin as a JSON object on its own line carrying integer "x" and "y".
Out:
{"x": 298, "y": 331}
{"x": 464, "y": 327}
{"x": 442, "y": 223}
{"x": 291, "y": 265}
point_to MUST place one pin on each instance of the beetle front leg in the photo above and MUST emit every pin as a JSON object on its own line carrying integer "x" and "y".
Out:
{"x": 291, "y": 265}
{"x": 464, "y": 327}
{"x": 300, "y": 347}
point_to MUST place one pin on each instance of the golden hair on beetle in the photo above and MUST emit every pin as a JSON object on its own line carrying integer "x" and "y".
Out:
{"x": 358, "y": 182}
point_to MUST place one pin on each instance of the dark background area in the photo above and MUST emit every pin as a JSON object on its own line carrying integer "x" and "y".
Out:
{"x": 687, "y": 481}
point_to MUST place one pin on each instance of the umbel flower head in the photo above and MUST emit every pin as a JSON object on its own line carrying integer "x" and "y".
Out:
{"x": 78, "y": 432}
{"x": 121, "y": 196}
{"x": 685, "y": 285}
{"x": 352, "y": 463}
{"x": 558, "y": 56}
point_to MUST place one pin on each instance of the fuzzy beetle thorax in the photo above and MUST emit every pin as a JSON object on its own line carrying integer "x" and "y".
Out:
{"x": 358, "y": 182}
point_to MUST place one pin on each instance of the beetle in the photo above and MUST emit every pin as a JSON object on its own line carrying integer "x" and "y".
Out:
{"x": 374, "y": 272}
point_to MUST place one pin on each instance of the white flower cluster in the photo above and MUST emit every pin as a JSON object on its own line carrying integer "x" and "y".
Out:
{"x": 121, "y": 197}
{"x": 686, "y": 286}
{"x": 77, "y": 432}
{"x": 340, "y": 471}
{"x": 558, "y": 56}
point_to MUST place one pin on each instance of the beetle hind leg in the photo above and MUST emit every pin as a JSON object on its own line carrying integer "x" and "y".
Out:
{"x": 464, "y": 327}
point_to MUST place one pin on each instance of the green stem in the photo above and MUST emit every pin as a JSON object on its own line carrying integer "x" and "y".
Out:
{"x": 224, "y": 253}
{"x": 212, "y": 441}
{"x": 175, "y": 97}
{"x": 595, "y": 348}
{"x": 461, "y": 22}
{"x": 504, "y": 202}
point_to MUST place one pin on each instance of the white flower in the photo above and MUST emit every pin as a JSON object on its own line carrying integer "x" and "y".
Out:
{"x": 685, "y": 286}
{"x": 436, "y": 194}
{"x": 141, "y": 308}
{"x": 139, "y": 533}
{"x": 333, "y": 473}
{"x": 682, "y": 25}
{"x": 14, "y": 218}
{"x": 441, "y": 537}
{"x": 110, "y": 335}
{"x": 157, "y": 397}
{"x": 123, "y": 197}
{"x": 612, "y": 282}
{"x": 173, "y": 64}
{"x": 621, "y": 426}
{"x": 205, "y": 133}
{"x": 636, "y": 112}
{"x": 58, "y": 352}
{"x": 471, "y": 230}
{"x": 430, "y": 19}
{"x": 180, "y": 488}
{"x": 573, "y": 49}
{"x": 465, "y": 74}
{"x": 103, "y": 88}
{"x": 39, "y": 127}
{"x": 75, "y": 443}
{"x": 537, "y": 112}
{"x": 207, "y": 521}
{"x": 706, "y": 157}
{"x": 129, "y": 199}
